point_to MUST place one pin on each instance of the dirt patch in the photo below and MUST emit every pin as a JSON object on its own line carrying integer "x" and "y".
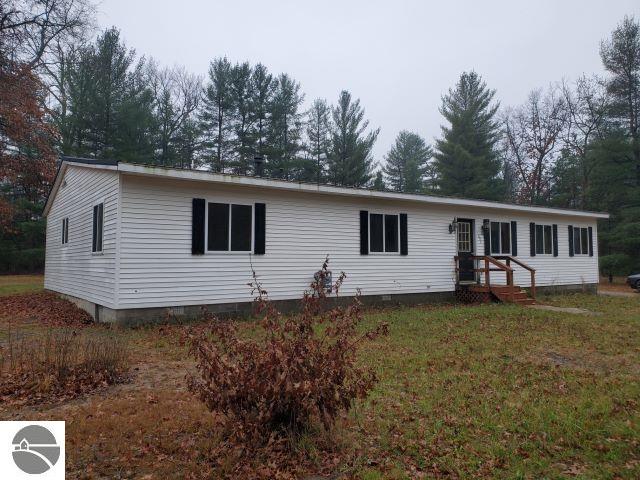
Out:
{"x": 160, "y": 375}
{"x": 619, "y": 293}
{"x": 560, "y": 360}
{"x": 591, "y": 361}
{"x": 574, "y": 310}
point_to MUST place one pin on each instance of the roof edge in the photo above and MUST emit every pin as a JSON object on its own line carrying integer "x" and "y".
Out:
{"x": 279, "y": 184}
{"x": 229, "y": 179}
{"x": 65, "y": 161}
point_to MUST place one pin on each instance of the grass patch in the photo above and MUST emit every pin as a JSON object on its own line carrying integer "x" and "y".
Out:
{"x": 12, "y": 284}
{"x": 500, "y": 391}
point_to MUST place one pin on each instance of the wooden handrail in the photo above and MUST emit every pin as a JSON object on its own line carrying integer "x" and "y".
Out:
{"x": 514, "y": 260}
{"x": 494, "y": 260}
{"x": 532, "y": 270}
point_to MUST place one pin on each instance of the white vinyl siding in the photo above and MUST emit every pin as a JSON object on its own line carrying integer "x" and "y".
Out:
{"x": 72, "y": 268}
{"x": 158, "y": 269}
{"x": 550, "y": 270}
{"x": 149, "y": 219}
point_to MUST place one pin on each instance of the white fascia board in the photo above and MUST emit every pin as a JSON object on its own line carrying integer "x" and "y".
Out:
{"x": 196, "y": 175}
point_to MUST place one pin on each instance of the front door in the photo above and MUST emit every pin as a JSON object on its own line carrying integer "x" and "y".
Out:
{"x": 466, "y": 263}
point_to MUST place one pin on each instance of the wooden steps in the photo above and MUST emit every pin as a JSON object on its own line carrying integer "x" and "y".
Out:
{"x": 506, "y": 293}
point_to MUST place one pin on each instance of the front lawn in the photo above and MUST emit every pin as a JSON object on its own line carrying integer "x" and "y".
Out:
{"x": 490, "y": 391}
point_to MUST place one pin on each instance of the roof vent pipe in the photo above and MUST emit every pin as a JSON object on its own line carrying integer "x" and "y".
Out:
{"x": 258, "y": 166}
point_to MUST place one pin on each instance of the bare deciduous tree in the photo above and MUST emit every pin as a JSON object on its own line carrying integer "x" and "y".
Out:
{"x": 30, "y": 28}
{"x": 177, "y": 94}
{"x": 533, "y": 133}
{"x": 586, "y": 108}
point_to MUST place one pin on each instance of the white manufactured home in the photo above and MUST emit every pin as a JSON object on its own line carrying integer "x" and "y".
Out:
{"x": 130, "y": 242}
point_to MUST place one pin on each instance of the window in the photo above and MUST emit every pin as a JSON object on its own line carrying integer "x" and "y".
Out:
{"x": 544, "y": 240}
{"x": 383, "y": 233}
{"x": 580, "y": 241}
{"x": 229, "y": 227}
{"x": 500, "y": 233}
{"x": 98, "y": 223}
{"x": 65, "y": 230}
{"x": 464, "y": 237}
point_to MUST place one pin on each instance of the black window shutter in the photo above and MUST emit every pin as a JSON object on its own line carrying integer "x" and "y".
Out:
{"x": 487, "y": 241}
{"x": 364, "y": 232}
{"x": 514, "y": 239}
{"x": 404, "y": 241}
{"x": 260, "y": 229}
{"x": 100, "y": 227}
{"x": 591, "y": 241}
{"x": 94, "y": 236}
{"x": 197, "y": 226}
{"x": 555, "y": 240}
{"x": 571, "y": 240}
{"x": 532, "y": 239}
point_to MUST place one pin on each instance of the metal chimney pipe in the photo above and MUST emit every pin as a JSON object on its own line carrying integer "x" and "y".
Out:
{"x": 258, "y": 166}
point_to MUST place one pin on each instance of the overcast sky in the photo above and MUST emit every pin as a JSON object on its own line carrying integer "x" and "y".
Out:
{"x": 398, "y": 57}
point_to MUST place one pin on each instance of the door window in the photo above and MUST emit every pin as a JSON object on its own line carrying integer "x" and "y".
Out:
{"x": 464, "y": 237}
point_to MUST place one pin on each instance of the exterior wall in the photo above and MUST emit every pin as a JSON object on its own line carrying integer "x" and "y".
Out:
{"x": 156, "y": 267}
{"x": 72, "y": 269}
{"x": 550, "y": 270}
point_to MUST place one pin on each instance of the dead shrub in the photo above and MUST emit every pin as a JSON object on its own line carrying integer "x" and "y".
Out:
{"x": 301, "y": 370}
{"x": 59, "y": 364}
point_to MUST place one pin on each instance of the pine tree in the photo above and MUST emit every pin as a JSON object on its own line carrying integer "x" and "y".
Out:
{"x": 110, "y": 102}
{"x": 407, "y": 163}
{"x": 285, "y": 129}
{"x": 262, "y": 87}
{"x": 621, "y": 58}
{"x": 241, "y": 93}
{"x": 135, "y": 124}
{"x": 378, "y": 183}
{"x": 187, "y": 144}
{"x": 350, "y": 159}
{"x": 216, "y": 114}
{"x": 318, "y": 135}
{"x": 466, "y": 162}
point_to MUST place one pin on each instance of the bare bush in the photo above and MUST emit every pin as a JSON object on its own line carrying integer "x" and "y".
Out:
{"x": 301, "y": 369}
{"x": 59, "y": 363}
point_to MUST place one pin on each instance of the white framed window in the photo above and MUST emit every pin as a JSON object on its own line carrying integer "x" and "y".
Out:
{"x": 544, "y": 239}
{"x": 384, "y": 233}
{"x": 98, "y": 227}
{"x": 229, "y": 227}
{"x": 500, "y": 238}
{"x": 580, "y": 241}
{"x": 65, "y": 230}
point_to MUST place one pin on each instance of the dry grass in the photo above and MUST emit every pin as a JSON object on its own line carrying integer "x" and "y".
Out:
{"x": 59, "y": 364}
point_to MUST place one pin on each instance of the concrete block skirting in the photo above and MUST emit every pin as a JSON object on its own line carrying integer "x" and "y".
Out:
{"x": 575, "y": 288}
{"x": 138, "y": 316}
